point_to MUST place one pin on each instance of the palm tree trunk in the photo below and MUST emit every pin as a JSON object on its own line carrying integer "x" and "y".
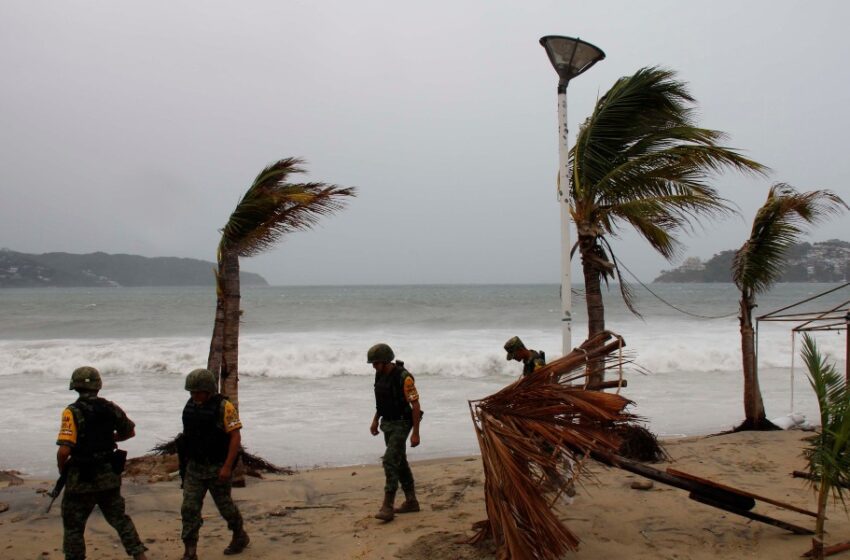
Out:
{"x": 754, "y": 415}
{"x": 593, "y": 299}
{"x": 217, "y": 340}
{"x": 229, "y": 380}
{"x": 817, "y": 540}
{"x": 230, "y": 343}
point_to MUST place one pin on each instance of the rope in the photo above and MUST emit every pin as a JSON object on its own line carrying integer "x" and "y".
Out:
{"x": 807, "y": 300}
{"x": 665, "y": 302}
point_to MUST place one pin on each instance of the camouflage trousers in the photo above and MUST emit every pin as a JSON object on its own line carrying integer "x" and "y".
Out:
{"x": 194, "y": 490}
{"x": 76, "y": 509}
{"x": 396, "y": 469}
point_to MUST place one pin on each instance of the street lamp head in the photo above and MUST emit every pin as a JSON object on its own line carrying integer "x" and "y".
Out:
{"x": 570, "y": 56}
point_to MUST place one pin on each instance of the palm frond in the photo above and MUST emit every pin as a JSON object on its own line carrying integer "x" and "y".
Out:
{"x": 273, "y": 207}
{"x": 640, "y": 160}
{"x": 626, "y": 290}
{"x": 829, "y": 453}
{"x": 647, "y": 117}
{"x": 678, "y": 168}
{"x": 535, "y": 436}
{"x": 778, "y": 225}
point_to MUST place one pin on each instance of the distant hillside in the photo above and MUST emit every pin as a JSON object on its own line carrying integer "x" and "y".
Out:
{"x": 826, "y": 261}
{"x": 22, "y": 270}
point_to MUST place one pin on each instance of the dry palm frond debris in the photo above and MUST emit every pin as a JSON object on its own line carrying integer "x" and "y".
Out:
{"x": 638, "y": 443}
{"x": 535, "y": 436}
{"x": 254, "y": 464}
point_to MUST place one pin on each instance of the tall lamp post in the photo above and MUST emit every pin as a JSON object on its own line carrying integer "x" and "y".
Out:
{"x": 570, "y": 57}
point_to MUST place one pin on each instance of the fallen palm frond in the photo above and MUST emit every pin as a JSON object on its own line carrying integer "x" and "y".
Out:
{"x": 638, "y": 443}
{"x": 168, "y": 447}
{"x": 535, "y": 435}
{"x": 254, "y": 463}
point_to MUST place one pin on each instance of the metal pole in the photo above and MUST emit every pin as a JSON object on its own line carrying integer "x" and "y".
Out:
{"x": 847, "y": 348}
{"x": 564, "y": 209}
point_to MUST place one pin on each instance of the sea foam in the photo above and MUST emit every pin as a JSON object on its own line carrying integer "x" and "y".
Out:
{"x": 459, "y": 353}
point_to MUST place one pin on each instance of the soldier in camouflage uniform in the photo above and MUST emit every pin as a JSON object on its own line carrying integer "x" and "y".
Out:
{"x": 532, "y": 360}
{"x": 398, "y": 411}
{"x": 91, "y": 426}
{"x": 210, "y": 443}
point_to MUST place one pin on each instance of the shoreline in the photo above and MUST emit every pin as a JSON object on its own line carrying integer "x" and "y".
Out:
{"x": 327, "y": 512}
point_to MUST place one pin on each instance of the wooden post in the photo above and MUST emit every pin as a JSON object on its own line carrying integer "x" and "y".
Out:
{"x": 707, "y": 492}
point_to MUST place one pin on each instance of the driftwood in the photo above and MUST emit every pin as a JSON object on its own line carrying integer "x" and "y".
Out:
{"x": 809, "y": 476}
{"x": 830, "y": 550}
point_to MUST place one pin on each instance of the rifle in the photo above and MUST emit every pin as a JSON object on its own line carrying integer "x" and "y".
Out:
{"x": 60, "y": 484}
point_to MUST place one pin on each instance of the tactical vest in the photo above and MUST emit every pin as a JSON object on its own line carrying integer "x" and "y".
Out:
{"x": 96, "y": 421}
{"x": 533, "y": 361}
{"x": 389, "y": 394}
{"x": 205, "y": 440}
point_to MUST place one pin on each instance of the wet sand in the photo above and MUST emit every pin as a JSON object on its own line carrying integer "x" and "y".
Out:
{"x": 327, "y": 513}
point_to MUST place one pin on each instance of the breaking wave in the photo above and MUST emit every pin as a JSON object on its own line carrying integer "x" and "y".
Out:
{"x": 684, "y": 348}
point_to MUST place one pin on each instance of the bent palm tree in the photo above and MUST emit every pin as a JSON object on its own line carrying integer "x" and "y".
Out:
{"x": 270, "y": 209}
{"x": 640, "y": 160}
{"x": 757, "y": 266}
{"x": 829, "y": 454}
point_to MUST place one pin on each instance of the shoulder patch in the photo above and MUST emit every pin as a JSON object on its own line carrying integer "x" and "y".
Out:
{"x": 230, "y": 417}
{"x": 410, "y": 392}
{"x": 67, "y": 429}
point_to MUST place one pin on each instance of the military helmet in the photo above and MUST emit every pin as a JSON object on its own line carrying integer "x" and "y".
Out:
{"x": 86, "y": 378}
{"x": 201, "y": 380}
{"x": 380, "y": 353}
{"x": 512, "y": 345}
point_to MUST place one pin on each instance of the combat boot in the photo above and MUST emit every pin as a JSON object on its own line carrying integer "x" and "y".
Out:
{"x": 238, "y": 543}
{"x": 140, "y": 556}
{"x": 410, "y": 503}
{"x": 191, "y": 552}
{"x": 386, "y": 512}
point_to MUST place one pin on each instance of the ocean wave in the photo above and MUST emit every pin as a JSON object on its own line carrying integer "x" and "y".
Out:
{"x": 322, "y": 355}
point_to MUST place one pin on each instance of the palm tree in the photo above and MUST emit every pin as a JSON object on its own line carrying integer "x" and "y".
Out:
{"x": 829, "y": 454}
{"x": 757, "y": 266}
{"x": 640, "y": 160}
{"x": 271, "y": 208}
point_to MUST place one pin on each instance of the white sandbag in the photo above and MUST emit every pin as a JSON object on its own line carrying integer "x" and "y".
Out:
{"x": 790, "y": 421}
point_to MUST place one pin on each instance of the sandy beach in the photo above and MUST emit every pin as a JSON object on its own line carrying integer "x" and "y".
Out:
{"x": 327, "y": 513}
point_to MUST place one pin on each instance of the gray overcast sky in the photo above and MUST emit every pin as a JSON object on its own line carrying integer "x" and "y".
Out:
{"x": 136, "y": 126}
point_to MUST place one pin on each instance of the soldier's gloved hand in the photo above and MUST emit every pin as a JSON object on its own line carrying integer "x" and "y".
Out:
{"x": 374, "y": 428}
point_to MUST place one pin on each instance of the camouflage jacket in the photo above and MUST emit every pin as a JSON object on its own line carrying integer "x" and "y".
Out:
{"x": 97, "y": 474}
